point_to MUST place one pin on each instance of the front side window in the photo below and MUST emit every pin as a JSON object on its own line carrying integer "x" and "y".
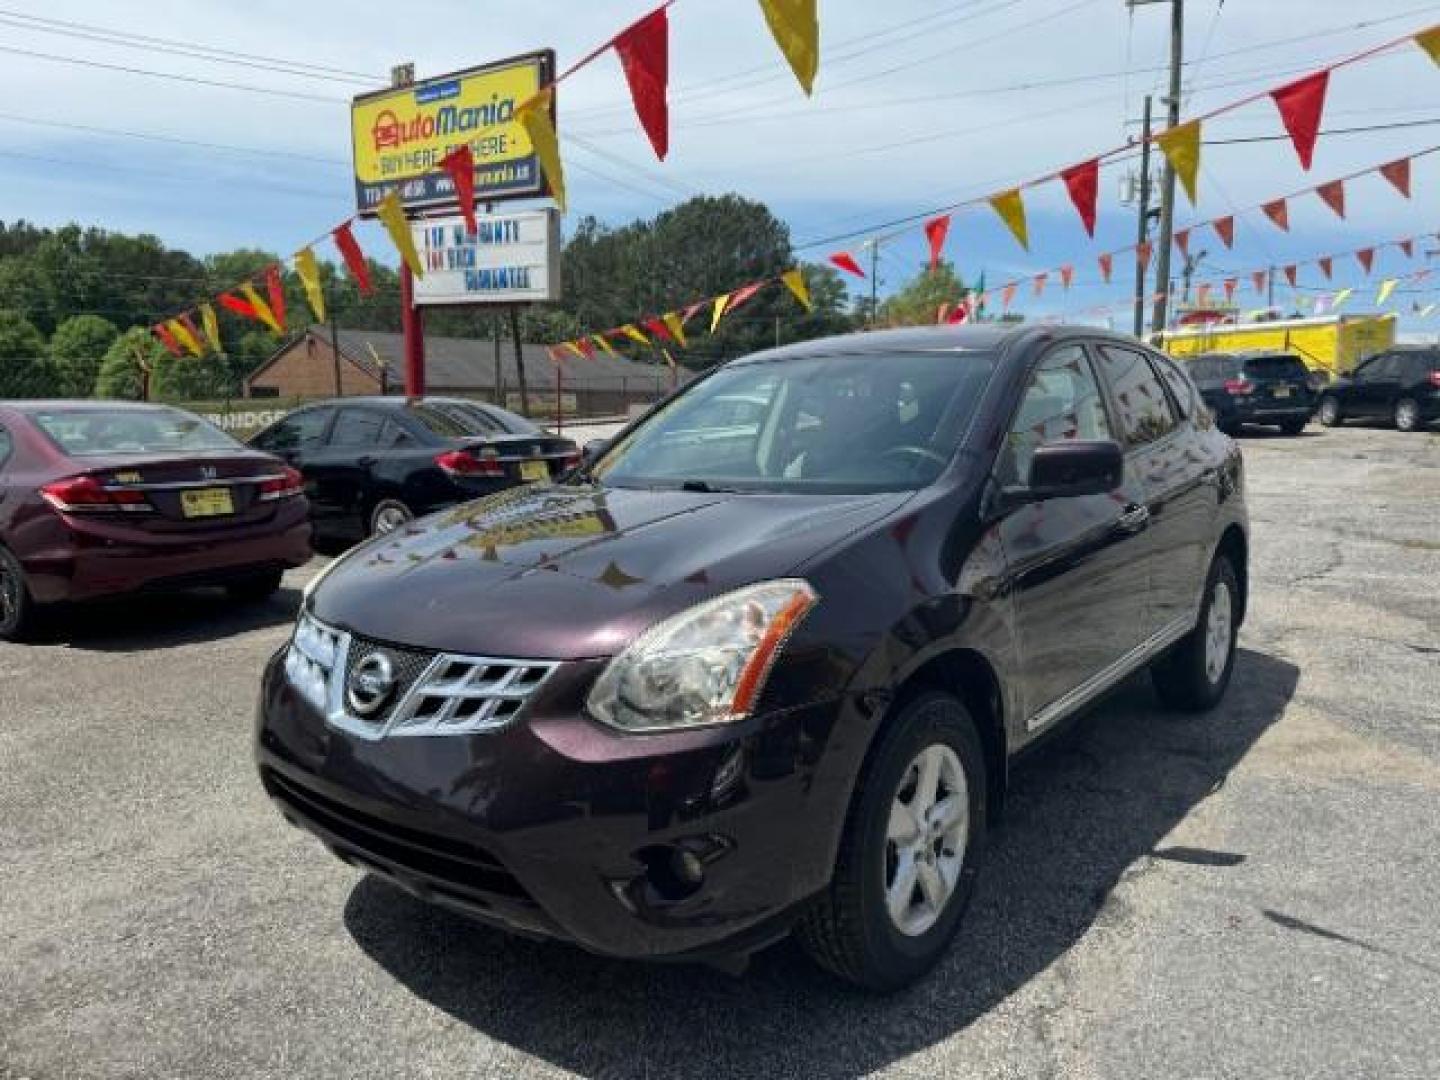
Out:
{"x": 871, "y": 422}
{"x": 357, "y": 428}
{"x": 1145, "y": 413}
{"x": 102, "y": 432}
{"x": 1062, "y": 402}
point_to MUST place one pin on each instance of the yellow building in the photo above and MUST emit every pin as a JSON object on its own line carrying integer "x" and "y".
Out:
{"x": 1334, "y": 344}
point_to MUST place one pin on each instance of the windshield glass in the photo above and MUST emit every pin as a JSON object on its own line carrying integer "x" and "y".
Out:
{"x": 1214, "y": 367}
{"x": 823, "y": 423}
{"x": 1275, "y": 367}
{"x": 104, "y": 432}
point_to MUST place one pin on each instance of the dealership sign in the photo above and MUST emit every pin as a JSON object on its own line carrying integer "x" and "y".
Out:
{"x": 509, "y": 259}
{"x": 400, "y": 136}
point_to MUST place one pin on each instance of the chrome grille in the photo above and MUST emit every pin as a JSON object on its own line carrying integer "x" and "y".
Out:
{"x": 435, "y": 694}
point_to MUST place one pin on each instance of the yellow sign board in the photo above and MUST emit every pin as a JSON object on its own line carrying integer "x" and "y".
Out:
{"x": 400, "y": 136}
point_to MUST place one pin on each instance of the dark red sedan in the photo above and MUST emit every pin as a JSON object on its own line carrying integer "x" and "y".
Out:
{"x": 103, "y": 498}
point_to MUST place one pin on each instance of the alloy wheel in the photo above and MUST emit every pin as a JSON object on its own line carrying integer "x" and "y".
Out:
{"x": 389, "y": 518}
{"x": 1329, "y": 412}
{"x": 925, "y": 839}
{"x": 1219, "y": 626}
{"x": 1407, "y": 415}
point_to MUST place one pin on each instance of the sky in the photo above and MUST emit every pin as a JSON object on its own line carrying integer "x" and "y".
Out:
{"x": 919, "y": 104}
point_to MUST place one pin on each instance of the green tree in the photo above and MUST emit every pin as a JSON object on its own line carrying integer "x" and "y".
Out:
{"x": 123, "y": 371}
{"x": 76, "y": 349}
{"x": 25, "y": 370}
{"x": 919, "y": 301}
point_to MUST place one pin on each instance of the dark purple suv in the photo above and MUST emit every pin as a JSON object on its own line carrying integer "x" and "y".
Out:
{"x": 761, "y": 663}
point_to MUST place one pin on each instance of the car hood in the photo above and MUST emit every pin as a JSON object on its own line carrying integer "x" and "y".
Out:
{"x": 566, "y": 572}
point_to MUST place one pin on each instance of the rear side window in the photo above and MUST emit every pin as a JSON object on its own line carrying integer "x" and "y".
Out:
{"x": 1145, "y": 412}
{"x": 1420, "y": 365}
{"x": 357, "y": 427}
{"x": 451, "y": 422}
{"x": 1181, "y": 388}
{"x": 102, "y": 432}
{"x": 1275, "y": 367}
{"x": 298, "y": 431}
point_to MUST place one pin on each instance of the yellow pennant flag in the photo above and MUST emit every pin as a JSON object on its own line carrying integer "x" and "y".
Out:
{"x": 534, "y": 117}
{"x": 796, "y": 27}
{"x": 1429, "y": 40}
{"x": 1011, "y": 208}
{"x": 574, "y": 349}
{"x": 308, "y": 270}
{"x": 1386, "y": 288}
{"x": 1341, "y": 297}
{"x": 392, "y": 215}
{"x": 1182, "y": 149}
{"x": 795, "y": 281}
{"x": 1427, "y": 311}
{"x": 604, "y": 344}
{"x": 633, "y": 332}
{"x": 676, "y": 327}
{"x": 262, "y": 309}
{"x": 668, "y": 358}
{"x": 718, "y": 311}
{"x": 211, "y": 326}
{"x": 183, "y": 335}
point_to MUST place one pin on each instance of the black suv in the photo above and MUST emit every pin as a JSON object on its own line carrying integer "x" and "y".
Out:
{"x": 371, "y": 464}
{"x": 1401, "y": 386}
{"x": 1255, "y": 388}
{"x": 762, "y": 668}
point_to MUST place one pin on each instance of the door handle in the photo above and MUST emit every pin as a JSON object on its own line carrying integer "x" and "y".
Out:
{"x": 1133, "y": 519}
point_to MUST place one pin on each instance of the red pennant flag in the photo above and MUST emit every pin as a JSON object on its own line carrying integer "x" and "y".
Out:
{"x": 1278, "y": 212}
{"x": 275, "y": 287}
{"x": 1398, "y": 173}
{"x": 354, "y": 258}
{"x": 1083, "y": 183}
{"x": 1258, "y": 277}
{"x": 960, "y": 314}
{"x": 657, "y": 327}
{"x": 460, "y": 164}
{"x": 936, "y": 230}
{"x": 234, "y": 304}
{"x": 1366, "y": 258}
{"x": 1408, "y": 247}
{"x": 1301, "y": 104}
{"x": 1334, "y": 195}
{"x": 1230, "y": 284}
{"x": 167, "y": 339}
{"x": 1067, "y": 275}
{"x": 1107, "y": 266}
{"x": 1182, "y": 241}
{"x": 845, "y": 261}
{"x": 742, "y": 294}
{"x": 644, "y": 51}
{"x": 1225, "y": 229}
{"x": 1202, "y": 296}
{"x": 1142, "y": 254}
{"x": 1290, "y": 275}
{"x": 1040, "y": 280}
{"x": 1007, "y": 297}
{"x": 1326, "y": 265}
{"x": 583, "y": 344}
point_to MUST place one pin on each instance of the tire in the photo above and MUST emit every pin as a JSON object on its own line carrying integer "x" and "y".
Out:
{"x": 1407, "y": 415}
{"x": 1193, "y": 676}
{"x": 850, "y": 930}
{"x": 389, "y": 515}
{"x": 17, "y": 609}
{"x": 257, "y": 588}
{"x": 1330, "y": 414}
{"x": 1293, "y": 427}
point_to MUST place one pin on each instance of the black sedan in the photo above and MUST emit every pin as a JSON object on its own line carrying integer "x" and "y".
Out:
{"x": 1255, "y": 388}
{"x": 763, "y": 662}
{"x": 1401, "y": 386}
{"x": 371, "y": 464}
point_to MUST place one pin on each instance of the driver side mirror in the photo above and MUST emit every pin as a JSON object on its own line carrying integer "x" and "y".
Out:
{"x": 1071, "y": 468}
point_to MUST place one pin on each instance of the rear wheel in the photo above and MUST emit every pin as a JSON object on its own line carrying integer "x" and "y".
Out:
{"x": 1407, "y": 414}
{"x": 910, "y": 852}
{"x": 17, "y": 609}
{"x": 258, "y": 587}
{"x": 389, "y": 515}
{"x": 1193, "y": 676}
{"x": 1293, "y": 427}
{"x": 1330, "y": 414}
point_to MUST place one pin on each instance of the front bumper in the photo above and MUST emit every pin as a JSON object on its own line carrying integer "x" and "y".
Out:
{"x": 556, "y": 826}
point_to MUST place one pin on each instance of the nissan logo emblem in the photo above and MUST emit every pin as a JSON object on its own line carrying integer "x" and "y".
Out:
{"x": 370, "y": 685}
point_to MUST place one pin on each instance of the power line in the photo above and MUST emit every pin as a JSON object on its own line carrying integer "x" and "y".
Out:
{"x": 173, "y": 139}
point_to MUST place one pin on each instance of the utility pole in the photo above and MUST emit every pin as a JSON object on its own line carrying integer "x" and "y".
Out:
{"x": 519, "y": 360}
{"x": 334, "y": 344}
{"x": 874, "y": 246}
{"x": 1144, "y": 229}
{"x": 499, "y": 367}
{"x": 1167, "y": 196}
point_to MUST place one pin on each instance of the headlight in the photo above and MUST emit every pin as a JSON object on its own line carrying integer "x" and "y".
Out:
{"x": 703, "y": 666}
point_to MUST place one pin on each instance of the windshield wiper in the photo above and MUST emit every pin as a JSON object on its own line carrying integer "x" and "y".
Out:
{"x": 703, "y": 486}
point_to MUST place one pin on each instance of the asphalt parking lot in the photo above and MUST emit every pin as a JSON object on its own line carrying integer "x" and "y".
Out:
{"x": 1247, "y": 894}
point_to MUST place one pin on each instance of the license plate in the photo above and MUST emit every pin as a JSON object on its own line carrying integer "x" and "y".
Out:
{"x": 206, "y": 502}
{"x": 534, "y": 470}
{"x": 1282, "y": 391}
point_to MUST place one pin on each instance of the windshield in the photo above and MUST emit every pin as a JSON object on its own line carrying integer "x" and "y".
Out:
{"x": 875, "y": 422}
{"x": 1214, "y": 368}
{"x": 105, "y": 432}
{"x": 1275, "y": 367}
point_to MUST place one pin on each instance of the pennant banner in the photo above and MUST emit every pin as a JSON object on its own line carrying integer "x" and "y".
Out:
{"x": 795, "y": 281}
{"x": 1010, "y": 205}
{"x": 392, "y": 216}
{"x": 211, "y": 325}
{"x": 675, "y": 326}
{"x": 845, "y": 261}
{"x": 167, "y": 339}
{"x": 1107, "y": 266}
{"x": 460, "y": 164}
{"x": 1340, "y": 298}
{"x": 1067, "y": 275}
{"x": 1182, "y": 149}
{"x": 935, "y": 231}
{"x": 796, "y": 28}
{"x": 534, "y": 117}
{"x": 236, "y": 306}
{"x": 644, "y": 51}
{"x": 1366, "y": 258}
{"x": 1301, "y": 104}
{"x": 717, "y": 312}
{"x": 308, "y": 271}
{"x": 1398, "y": 173}
{"x": 1387, "y": 288}
{"x": 184, "y": 332}
{"x": 1333, "y": 194}
{"x": 1278, "y": 212}
{"x": 1182, "y": 241}
{"x": 1326, "y": 265}
{"x": 275, "y": 289}
{"x": 1083, "y": 183}
{"x": 259, "y": 309}
{"x": 354, "y": 258}
{"x": 1225, "y": 230}
{"x": 633, "y": 332}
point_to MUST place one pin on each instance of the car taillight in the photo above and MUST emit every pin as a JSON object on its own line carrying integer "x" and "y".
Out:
{"x": 464, "y": 463}
{"x": 87, "y": 495}
{"x": 1435, "y": 378}
{"x": 285, "y": 486}
{"x": 1239, "y": 387}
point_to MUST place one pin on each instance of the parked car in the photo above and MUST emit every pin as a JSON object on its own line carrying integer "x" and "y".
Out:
{"x": 372, "y": 464}
{"x": 703, "y": 692}
{"x": 1401, "y": 385}
{"x": 1256, "y": 388}
{"x": 105, "y": 498}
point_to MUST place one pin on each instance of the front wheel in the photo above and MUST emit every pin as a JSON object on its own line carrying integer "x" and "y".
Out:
{"x": 910, "y": 851}
{"x": 17, "y": 609}
{"x": 1193, "y": 676}
{"x": 1407, "y": 414}
{"x": 389, "y": 515}
{"x": 1293, "y": 427}
{"x": 1330, "y": 410}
